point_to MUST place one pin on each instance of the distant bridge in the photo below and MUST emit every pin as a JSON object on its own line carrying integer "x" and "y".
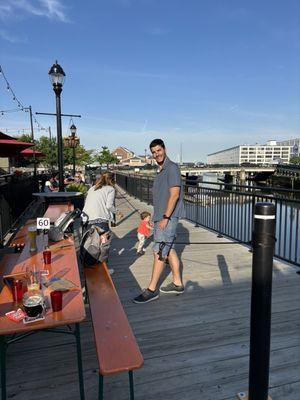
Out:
{"x": 227, "y": 170}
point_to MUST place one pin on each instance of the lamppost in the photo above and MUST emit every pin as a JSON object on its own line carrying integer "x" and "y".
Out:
{"x": 72, "y": 141}
{"x": 57, "y": 78}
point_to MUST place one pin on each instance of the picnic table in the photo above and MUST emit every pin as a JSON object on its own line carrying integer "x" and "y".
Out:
{"x": 72, "y": 313}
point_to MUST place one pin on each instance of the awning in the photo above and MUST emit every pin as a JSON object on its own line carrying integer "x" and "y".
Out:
{"x": 30, "y": 152}
{"x": 10, "y": 147}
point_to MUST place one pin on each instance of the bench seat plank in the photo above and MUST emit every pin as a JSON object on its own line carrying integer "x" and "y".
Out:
{"x": 116, "y": 346}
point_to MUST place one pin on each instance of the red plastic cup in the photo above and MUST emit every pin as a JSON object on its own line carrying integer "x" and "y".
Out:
{"x": 56, "y": 300}
{"x": 47, "y": 256}
{"x": 17, "y": 290}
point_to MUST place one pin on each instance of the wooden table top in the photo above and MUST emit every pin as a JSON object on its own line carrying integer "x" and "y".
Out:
{"x": 73, "y": 308}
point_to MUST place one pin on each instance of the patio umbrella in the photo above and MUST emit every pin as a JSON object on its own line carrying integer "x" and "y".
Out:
{"x": 30, "y": 152}
{"x": 10, "y": 147}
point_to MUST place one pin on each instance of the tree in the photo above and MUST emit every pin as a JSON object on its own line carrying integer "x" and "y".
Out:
{"x": 49, "y": 148}
{"x": 21, "y": 161}
{"x": 295, "y": 160}
{"x": 106, "y": 157}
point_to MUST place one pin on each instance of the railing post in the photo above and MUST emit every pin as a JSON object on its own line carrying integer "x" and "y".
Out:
{"x": 197, "y": 207}
{"x": 148, "y": 191}
{"x": 220, "y": 214}
{"x": 263, "y": 240}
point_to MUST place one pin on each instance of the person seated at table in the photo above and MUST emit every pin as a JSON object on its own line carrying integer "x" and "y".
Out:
{"x": 50, "y": 185}
{"x": 68, "y": 179}
{"x": 78, "y": 177}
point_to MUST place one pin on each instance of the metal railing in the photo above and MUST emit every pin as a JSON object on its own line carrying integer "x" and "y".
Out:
{"x": 15, "y": 196}
{"x": 228, "y": 210}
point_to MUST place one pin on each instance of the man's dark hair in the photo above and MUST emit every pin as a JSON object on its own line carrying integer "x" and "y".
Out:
{"x": 157, "y": 142}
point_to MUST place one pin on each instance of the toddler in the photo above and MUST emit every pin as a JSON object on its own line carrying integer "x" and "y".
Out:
{"x": 143, "y": 231}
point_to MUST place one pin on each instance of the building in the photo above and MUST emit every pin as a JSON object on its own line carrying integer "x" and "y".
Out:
{"x": 122, "y": 153}
{"x": 135, "y": 161}
{"x": 270, "y": 153}
{"x": 295, "y": 146}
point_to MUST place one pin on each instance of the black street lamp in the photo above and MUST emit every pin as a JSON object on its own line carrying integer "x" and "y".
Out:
{"x": 72, "y": 141}
{"x": 57, "y": 78}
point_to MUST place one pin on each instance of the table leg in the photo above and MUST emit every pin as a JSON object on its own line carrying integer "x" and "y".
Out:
{"x": 3, "y": 366}
{"x": 79, "y": 360}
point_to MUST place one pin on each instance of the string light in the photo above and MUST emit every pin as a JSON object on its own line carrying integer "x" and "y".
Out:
{"x": 14, "y": 98}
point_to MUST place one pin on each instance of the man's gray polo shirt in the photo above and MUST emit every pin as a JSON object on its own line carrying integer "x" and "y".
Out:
{"x": 169, "y": 176}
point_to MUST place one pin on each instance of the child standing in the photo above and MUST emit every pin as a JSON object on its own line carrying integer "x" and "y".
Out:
{"x": 143, "y": 231}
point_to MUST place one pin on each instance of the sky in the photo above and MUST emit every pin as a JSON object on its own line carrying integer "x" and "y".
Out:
{"x": 203, "y": 75}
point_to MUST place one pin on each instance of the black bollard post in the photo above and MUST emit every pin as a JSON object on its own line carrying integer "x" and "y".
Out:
{"x": 263, "y": 239}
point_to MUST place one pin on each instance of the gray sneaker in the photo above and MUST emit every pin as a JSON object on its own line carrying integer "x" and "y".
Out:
{"x": 146, "y": 296}
{"x": 172, "y": 288}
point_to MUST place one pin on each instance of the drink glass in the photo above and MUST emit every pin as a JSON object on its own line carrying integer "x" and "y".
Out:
{"x": 33, "y": 303}
{"x": 17, "y": 290}
{"x": 47, "y": 256}
{"x": 33, "y": 277}
{"x": 32, "y": 232}
{"x": 56, "y": 300}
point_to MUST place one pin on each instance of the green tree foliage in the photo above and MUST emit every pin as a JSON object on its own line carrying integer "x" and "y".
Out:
{"x": 49, "y": 148}
{"x": 21, "y": 161}
{"x": 106, "y": 157}
{"x": 295, "y": 160}
{"x": 26, "y": 137}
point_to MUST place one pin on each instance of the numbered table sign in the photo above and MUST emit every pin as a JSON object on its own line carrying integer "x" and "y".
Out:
{"x": 43, "y": 223}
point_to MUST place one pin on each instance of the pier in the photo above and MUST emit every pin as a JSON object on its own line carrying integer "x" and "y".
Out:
{"x": 195, "y": 346}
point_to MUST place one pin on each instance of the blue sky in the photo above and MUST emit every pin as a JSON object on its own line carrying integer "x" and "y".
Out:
{"x": 209, "y": 74}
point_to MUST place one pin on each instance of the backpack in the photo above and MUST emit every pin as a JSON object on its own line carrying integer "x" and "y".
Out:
{"x": 57, "y": 232}
{"x": 94, "y": 246}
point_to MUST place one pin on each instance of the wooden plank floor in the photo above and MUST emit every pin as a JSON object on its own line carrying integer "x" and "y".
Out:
{"x": 195, "y": 346}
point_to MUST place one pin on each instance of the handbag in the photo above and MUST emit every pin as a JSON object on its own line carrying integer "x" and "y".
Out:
{"x": 94, "y": 246}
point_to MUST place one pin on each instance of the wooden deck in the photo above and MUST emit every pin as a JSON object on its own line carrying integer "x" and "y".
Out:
{"x": 195, "y": 346}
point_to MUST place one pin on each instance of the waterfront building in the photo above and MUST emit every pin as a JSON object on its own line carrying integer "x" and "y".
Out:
{"x": 269, "y": 153}
{"x": 122, "y": 153}
{"x": 295, "y": 146}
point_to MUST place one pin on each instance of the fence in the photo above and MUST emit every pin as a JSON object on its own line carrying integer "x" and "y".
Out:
{"x": 15, "y": 196}
{"x": 228, "y": 210}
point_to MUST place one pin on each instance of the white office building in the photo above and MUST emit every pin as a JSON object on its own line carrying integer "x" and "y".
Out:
{"x": 270, "y": 153}
{"x": 295, "y": 146}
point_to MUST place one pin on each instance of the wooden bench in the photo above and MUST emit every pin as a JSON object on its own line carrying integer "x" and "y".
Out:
{"x": 116, "y": 346}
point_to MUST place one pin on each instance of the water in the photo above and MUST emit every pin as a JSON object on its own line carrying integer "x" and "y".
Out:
{"x": 231, "y": 213}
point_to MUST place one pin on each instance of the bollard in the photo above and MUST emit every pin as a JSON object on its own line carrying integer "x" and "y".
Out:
{"x": 263, "y": 242}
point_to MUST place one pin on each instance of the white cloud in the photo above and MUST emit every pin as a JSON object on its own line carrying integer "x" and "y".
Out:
{"x": 10, "y": 37}
{"x": 51, "y": 9}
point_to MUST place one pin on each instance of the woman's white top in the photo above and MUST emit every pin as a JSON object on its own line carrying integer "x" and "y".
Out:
{"x": 100, "y": 203}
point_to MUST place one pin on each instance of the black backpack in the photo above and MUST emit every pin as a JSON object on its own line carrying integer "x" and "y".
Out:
{"x": 57, "y": 232}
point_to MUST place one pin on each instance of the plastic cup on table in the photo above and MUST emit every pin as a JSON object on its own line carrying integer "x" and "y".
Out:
{"x": 47, "y": 256}
{"x": 56, "y": 300}
{"x": 17, "y": 290}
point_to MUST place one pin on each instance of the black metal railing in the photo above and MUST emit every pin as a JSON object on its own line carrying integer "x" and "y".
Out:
{"x": 15, "y": 196}
{"x": 228, "y": 210}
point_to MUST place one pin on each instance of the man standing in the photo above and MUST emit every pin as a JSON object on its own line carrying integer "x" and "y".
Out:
{"x": 168, "y": 208}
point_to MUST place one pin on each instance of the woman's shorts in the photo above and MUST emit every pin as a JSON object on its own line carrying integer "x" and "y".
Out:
{"x": 166, "y": 236}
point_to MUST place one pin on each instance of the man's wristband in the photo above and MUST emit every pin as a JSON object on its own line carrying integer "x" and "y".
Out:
{"x": 166, "y": 217}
